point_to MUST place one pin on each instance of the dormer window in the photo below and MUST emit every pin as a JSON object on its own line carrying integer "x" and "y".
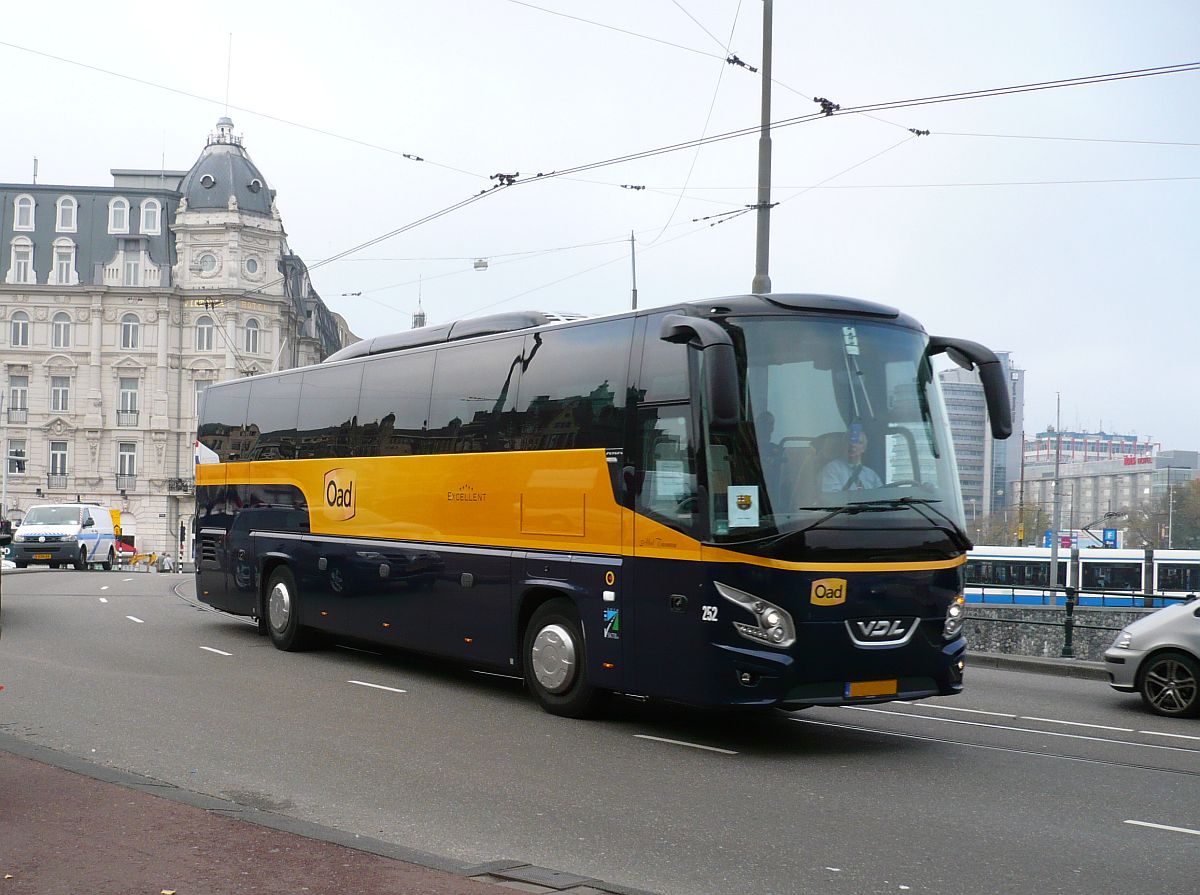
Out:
{"x": 208, "y": 181}
{"x": 20, "y": 268}
{"x": 255, "y": 185}
{"x": 150, "y": 217}
{"x": 118, "y": 215}
{"x": 65, "y": 219}
{"x": 23, "y": 213}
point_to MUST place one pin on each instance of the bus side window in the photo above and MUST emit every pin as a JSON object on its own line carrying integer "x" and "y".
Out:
{"x": 669, "y": 488}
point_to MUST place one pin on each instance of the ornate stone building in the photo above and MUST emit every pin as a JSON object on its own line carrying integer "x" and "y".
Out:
{"x": 119, "y": 306}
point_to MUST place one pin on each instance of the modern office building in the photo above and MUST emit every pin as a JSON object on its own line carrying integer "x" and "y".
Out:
{"x": 985, "y": 465}
{"x": 118, "y": 306}
{"x": 1100, "y": 474}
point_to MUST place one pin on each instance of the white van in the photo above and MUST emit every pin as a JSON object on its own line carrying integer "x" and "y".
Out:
{"x": 59, "y": 534}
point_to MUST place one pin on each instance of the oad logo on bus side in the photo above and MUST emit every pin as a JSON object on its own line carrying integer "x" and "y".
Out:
{"x": 339, "y": 494}
{"x": 828, "y": 592}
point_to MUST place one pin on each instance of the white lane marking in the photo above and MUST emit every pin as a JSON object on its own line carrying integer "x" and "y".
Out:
{"x": 1078, "y": 724}
{"x": 1045, "y": 733}
{"x": 643, "y": 736}
{"x": 217, "y": 651}
{"x": 126, "y": 579}
{"x": 955, "y": 708}
{"x": 134, "y": 618}
{"x": 377, "y": 686}
{"x": 104, "y": 587}
{"x": 104, "y": 599}
{"x": 511, "y": 677}
{"x": 1142, "y": 823}
{"x": 1178, "y": 736}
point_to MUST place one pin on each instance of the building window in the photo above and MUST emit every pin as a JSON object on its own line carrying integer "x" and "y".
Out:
{"x": 150, "y": 217}
{"x": 64, "y": 263}
{"x": 18, "y": 399}
{"x": 118, "y": 215}
{"x": 251, "y": 265}
{"x": 204, "y": 334}
{"x": 20, "y": 330}
{"x": 130, "y": 335}
{"x": 65, "y": 218}
{"x": 200, "y": 386}
{"x": 127, "y": 394}
{"x": 127, "y": 458}
{"x": 60, "y": 330}
{"x": 208, "y": 262}
{"x": 21, "y": 268}
{"x": 60, "y": 393}
{"x": 16, "y": 456}
{"x": 23, "y": 213}
{"x": 252, "y": 336}
{"x": 18, "y": 393}
{"x": 133, "y": 268}
{"x": 58, "y": 458}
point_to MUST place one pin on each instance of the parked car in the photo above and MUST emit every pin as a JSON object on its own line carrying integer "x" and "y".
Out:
{"x": 1159, "y": 656}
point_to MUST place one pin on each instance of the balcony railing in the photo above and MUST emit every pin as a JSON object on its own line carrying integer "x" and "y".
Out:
{"x": 127, "y": 418}
{"x": 179, "y": 486}
{"x": 18, "y": 414}
{"x": 126, "y": 482}
{"x": 56, "y": 481}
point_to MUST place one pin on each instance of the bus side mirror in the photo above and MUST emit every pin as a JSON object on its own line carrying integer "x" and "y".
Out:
{"x": 972, "y": 355}
{"x": 720, "y": 364}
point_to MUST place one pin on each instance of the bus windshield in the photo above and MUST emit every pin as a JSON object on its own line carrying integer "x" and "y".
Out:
{"x": 838, "y": 415}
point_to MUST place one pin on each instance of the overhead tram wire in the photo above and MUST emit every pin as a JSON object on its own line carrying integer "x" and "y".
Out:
{"x": 707, "y": 118}
{"x": 513, "y": 180}
{"x": 227, "y": 105}
{"x": 1068, "y": 139}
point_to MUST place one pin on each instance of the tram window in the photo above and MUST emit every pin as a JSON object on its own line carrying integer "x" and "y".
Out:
{"x": 1112, "y": 576}
{"x": 1179, "y": 576}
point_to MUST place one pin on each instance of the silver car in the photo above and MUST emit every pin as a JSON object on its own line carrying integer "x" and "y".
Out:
{"x": 1159, "y": 657}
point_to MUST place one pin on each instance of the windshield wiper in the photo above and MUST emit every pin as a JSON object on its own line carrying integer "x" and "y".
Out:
{"x": 851, "y": 509}
{"x": 917, "y": 503}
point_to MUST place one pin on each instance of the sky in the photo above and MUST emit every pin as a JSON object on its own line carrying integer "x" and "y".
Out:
{"x": 1059, "y": 225}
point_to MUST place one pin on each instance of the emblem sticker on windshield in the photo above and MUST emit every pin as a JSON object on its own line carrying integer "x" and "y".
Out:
{"x": 743, "y": 506}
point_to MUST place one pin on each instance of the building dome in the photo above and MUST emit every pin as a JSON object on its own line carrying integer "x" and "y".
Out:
{"x": 225, "y": 171}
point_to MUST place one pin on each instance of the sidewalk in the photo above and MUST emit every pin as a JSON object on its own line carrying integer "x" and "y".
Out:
{"x": 70, "y": 827}
{"x": 1080, "y": 668}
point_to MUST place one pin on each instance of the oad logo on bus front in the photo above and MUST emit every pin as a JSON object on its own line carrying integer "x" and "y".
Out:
{"x": 339, "y": 494}
{"x": 828, "y": 592}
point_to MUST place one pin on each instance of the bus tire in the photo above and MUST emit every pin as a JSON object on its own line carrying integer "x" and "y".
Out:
{"x": 107, "y": 565}
{"x": 81, "y": 563}
{"x": 281, "y": 610}
{"x": 555, "y": 662}
{"x": 1170, "y": 685}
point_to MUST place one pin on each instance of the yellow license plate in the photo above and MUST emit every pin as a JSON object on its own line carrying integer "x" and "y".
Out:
{"x": 41, "y": 556}
{"x": 871, "y": 688}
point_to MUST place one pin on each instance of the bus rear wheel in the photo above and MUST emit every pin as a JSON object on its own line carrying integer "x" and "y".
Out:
{"x": 555, "y": 662}
{"x": 282, "y": 612}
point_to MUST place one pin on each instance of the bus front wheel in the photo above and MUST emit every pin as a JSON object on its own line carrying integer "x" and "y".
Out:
{"x": 555, "y": 662}
{"x": 282, "y": 612}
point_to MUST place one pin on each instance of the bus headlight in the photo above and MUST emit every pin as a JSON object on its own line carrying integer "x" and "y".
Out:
{"x": 774, "y": 626}
{"x": 956, "y": 615}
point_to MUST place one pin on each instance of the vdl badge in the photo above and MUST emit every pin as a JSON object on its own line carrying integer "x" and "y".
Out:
{"x": 339, "y": 494}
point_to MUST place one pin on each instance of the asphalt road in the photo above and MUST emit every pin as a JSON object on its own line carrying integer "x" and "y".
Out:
{"x": 1025, "y": 783}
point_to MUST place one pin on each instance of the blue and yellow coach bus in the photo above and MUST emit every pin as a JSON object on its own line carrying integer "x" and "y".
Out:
{"x": 750, "y": 501}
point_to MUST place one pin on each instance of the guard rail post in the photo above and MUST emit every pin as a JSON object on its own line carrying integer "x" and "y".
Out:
{"x": 1068, "y": 649}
